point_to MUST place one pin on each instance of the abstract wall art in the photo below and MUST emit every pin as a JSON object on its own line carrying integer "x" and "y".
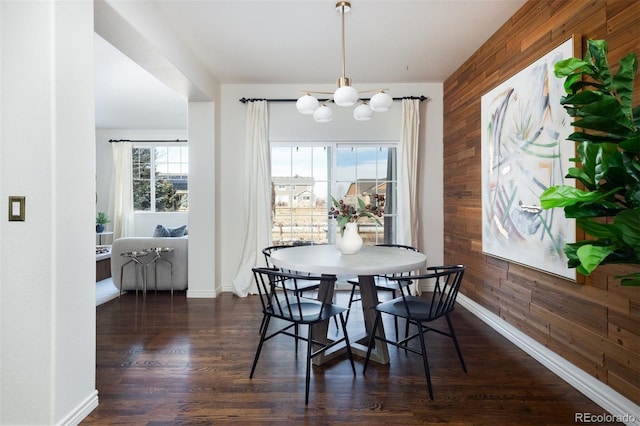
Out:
{"x": 525, "y": 151}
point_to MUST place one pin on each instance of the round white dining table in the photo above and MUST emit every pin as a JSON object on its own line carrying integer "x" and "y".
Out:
{"x": 327, "y": 259}
{"x": 368, "y": 262}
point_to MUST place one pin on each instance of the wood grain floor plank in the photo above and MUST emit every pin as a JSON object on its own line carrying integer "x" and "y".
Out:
{"x": 183, "y": 361}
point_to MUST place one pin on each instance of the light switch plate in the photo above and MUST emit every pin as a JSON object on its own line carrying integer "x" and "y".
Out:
{"x": 16, "y": 208}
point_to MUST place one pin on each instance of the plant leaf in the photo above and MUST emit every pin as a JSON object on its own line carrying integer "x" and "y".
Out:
{"x": 601, "y": 124}
{"x": 561, "y": 196}
{"x": 588, "y": 154}
{"x": 592, "y": 209}
{"x": 591, "y": 256}
{"x": 584, "y": 97}
{"x": 610, "y": 108}
{"x": 568, "y": 66}
{"x": 628, "y": 222}
{"x": 579, "y": 174}
{"x": 582, "y": 137}
{"x": 342, "y": 221}
{"x": 623, "y": 82}
{"x": 572, "y": 84}
{"x": 595, "y": 229}
{"x": 597, "y": 55}
{"x": 630, "y": 280}
{"x": 631, "y": 145}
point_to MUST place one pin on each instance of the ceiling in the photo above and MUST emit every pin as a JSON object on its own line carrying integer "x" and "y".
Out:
{"x": 296, "y": 42}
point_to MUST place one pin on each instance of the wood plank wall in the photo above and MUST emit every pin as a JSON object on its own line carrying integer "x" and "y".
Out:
{"x": 594, "y": 325}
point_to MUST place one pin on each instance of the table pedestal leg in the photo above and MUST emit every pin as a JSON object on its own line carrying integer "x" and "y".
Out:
{"x": 380, "y": 352}
{"x": 369, "y": 296}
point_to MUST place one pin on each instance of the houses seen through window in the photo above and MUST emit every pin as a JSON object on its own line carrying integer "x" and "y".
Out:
{"x": 160, "y": 178}
{"x": 305, "y": 177}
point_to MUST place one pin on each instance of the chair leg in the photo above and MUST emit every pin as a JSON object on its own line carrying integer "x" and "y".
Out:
{"x": 308, "y": 369}
{"x": 424, "y": 359}
{"x": 395, "y": 318}
{"x": 266, "y": 321}
{"x": 351, "y": 296}
{"x": 406, "y": 330}
{"x": 372, "y": 339}
{"x": 347, "y": 344}
{"x": 455, "y": 342}
{"x": 407, "y": 322}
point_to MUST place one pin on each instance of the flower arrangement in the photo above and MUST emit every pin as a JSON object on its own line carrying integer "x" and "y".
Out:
{"x": 345, "y": 213}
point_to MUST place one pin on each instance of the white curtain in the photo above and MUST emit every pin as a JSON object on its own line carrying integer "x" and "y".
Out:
{"x": 121, "y": 192}
{"x": 408, "y": 174}
{"x": 257, "y": 208}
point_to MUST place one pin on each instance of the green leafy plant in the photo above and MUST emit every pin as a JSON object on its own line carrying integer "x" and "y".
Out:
{"x": 345, "y": 213}
{"x": 607, "y": 205}
{"x": 102, "y": 219}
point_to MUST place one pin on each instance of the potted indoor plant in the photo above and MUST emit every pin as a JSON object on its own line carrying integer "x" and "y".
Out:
{"x": 101, "y": 220}
{"x": 606, "y": 203}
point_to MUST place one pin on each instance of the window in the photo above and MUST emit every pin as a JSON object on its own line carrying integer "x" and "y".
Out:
{"x": 160, "y": 178}
{"x": 305, "y": 176}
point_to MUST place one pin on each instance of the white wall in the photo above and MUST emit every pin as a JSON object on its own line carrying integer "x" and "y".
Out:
{"x": 47, "y": 296}
{"x": 145, "y": 222}
{"x": 204, "y": 244}
{"x": 286, "y": 124}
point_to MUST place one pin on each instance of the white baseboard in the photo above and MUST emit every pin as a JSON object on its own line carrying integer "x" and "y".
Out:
{"x": 617, "y": 405}
{"x": 81, "y": 411}
{"x": 209, "y": 294}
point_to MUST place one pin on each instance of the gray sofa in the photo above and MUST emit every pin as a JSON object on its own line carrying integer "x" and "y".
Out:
{"x": 178, "y": 257}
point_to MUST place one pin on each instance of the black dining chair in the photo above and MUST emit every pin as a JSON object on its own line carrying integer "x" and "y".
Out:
{"x": 310, "y": 285}
{"x": 384, "y": 283}
{"x": 422, "y": 311}
{"x": 286, "y": 303}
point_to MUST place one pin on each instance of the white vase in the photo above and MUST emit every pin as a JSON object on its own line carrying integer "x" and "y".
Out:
{"x": 351, "y": 241}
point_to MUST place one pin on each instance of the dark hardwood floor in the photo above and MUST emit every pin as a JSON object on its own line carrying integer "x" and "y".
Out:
{"x": 187, "y": 361}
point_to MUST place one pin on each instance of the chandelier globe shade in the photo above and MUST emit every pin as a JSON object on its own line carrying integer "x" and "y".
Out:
{"x": 307, "y": 104}
{"x": 345, "y": 95}
{"x": 363, "y": 112}
{"x": 323, "y": 114}
{"x": 380, "y": 102}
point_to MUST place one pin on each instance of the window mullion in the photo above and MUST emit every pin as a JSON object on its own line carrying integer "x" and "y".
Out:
{"x": 152, "y": 179}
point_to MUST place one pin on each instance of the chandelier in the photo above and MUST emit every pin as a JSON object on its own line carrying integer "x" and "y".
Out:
{"x": 345, "y": 95}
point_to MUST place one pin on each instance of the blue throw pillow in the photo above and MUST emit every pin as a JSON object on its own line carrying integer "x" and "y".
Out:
{"x": 162, "y": 231}
{"x": 177, "y": 232}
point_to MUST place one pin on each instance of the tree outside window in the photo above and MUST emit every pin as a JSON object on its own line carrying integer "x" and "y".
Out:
{"x": 160, "y": 178}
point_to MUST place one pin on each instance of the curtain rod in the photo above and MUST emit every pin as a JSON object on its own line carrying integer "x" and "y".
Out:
{"x": 154, "y": 141}
{"x": 245, "y": 100}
